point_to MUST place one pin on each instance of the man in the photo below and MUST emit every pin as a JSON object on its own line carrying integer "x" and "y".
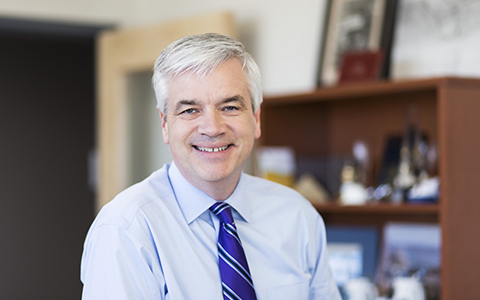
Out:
{"x": 172, "y": 236}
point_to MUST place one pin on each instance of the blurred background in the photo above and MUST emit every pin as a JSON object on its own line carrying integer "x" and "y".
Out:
{"x": 50, "y": 112}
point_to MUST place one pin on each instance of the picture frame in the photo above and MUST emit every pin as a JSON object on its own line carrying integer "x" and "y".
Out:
{"x": 355, "y": 25}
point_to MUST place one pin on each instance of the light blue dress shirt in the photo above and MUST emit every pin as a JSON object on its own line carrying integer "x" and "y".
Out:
{"x": 158, "y": 240}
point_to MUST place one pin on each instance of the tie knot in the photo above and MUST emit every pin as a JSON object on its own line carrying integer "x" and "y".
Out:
{"x": 223, "y": 211}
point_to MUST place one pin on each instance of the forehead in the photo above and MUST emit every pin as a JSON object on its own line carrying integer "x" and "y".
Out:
{"x": 227, "y": 80}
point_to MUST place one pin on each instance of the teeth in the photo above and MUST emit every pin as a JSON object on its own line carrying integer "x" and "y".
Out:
{"x": 212, "y": 149}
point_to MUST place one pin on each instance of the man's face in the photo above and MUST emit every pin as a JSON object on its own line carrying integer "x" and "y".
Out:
{"x": 210, "y": 125}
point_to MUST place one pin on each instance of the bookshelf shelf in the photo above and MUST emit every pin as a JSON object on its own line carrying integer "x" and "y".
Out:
{"x": 407, "y": 209}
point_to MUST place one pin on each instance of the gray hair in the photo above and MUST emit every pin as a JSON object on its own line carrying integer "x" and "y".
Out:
{"x": 202, "y": 54}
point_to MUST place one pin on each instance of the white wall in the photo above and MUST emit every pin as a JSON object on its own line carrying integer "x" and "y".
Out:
{"x": 283, "y": 36}
{"x": 76, "y": 11}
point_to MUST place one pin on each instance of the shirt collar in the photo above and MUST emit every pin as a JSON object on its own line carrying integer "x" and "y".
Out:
{"x": 193, "y": 202}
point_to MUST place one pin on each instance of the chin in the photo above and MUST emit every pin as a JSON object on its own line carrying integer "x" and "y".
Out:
{"x": 217, "y": 173}
{"x": 213, "y": 176}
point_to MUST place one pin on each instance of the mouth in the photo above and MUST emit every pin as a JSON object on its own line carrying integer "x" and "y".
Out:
{"x": 206, "y": 149}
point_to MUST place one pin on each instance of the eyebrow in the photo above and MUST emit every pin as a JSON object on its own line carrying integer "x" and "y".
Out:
{"x": 182, "y": 103}
{"x": 237, "y": 98}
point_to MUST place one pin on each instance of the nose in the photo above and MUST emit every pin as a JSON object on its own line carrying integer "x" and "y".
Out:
{"x": 212, "y": 123}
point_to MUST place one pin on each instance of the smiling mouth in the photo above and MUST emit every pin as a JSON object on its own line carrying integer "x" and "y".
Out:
{"x": 205, "y": 149}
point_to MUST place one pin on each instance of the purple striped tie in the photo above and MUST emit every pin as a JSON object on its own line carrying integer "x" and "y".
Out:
{"x": 236, "y": 280}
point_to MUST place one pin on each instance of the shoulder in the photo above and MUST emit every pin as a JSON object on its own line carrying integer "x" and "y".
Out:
{"x": 272, "y": 195}
{"x": 270, "y": 189}
{"x": 155, "y": 190}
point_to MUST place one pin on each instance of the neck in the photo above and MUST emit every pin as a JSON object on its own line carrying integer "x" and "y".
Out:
{"x": 220, "y": 190}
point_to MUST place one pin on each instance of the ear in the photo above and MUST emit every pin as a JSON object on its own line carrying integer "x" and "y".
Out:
{"x": 258, "y": 131}
{"x": 164, "y": 127}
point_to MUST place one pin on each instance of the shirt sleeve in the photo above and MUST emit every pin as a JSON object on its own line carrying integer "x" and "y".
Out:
{"x": 117, "y": 266}
{"x": 322, "y": 286}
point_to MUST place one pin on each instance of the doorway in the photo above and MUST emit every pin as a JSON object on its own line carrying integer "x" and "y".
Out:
{"x": 47, "y": 92}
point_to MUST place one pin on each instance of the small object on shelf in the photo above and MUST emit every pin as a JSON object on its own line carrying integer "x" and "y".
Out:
{"x": 427, "y": 190}
{"x": 405, "y": 178}
{"x": 276, "y": 164}
{"x": 351, "y": 192}
{"x": 408, "y": 288}
{"x": 390, "y": 160}
{"x": 310, "y": 188}
{"x": 326, "y": 169}
{"x": 360, "y": 66}
{"x": 362, "y": 162}
{"x": 383, "y": 191}
{"x": 360, "y": 289}
{"x": 354, "y": 176}
{"x": 412, "y": 167}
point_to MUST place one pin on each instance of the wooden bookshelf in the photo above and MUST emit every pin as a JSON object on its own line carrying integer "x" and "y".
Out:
{"x": 378, "y": 214}
{"x": 327, "y": 121}
{"x": 382, "y": 208}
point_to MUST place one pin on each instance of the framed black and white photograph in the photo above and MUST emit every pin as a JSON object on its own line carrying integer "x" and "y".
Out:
{"x": 436, "y": 38}
{"x": 354, "y": 25}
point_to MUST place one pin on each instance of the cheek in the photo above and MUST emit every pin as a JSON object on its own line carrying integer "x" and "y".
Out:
{"x": 177, "y": 132}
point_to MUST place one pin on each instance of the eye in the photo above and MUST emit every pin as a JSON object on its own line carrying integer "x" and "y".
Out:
{"x": 230, "y": 108}
{"x": 188, "y": 111}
